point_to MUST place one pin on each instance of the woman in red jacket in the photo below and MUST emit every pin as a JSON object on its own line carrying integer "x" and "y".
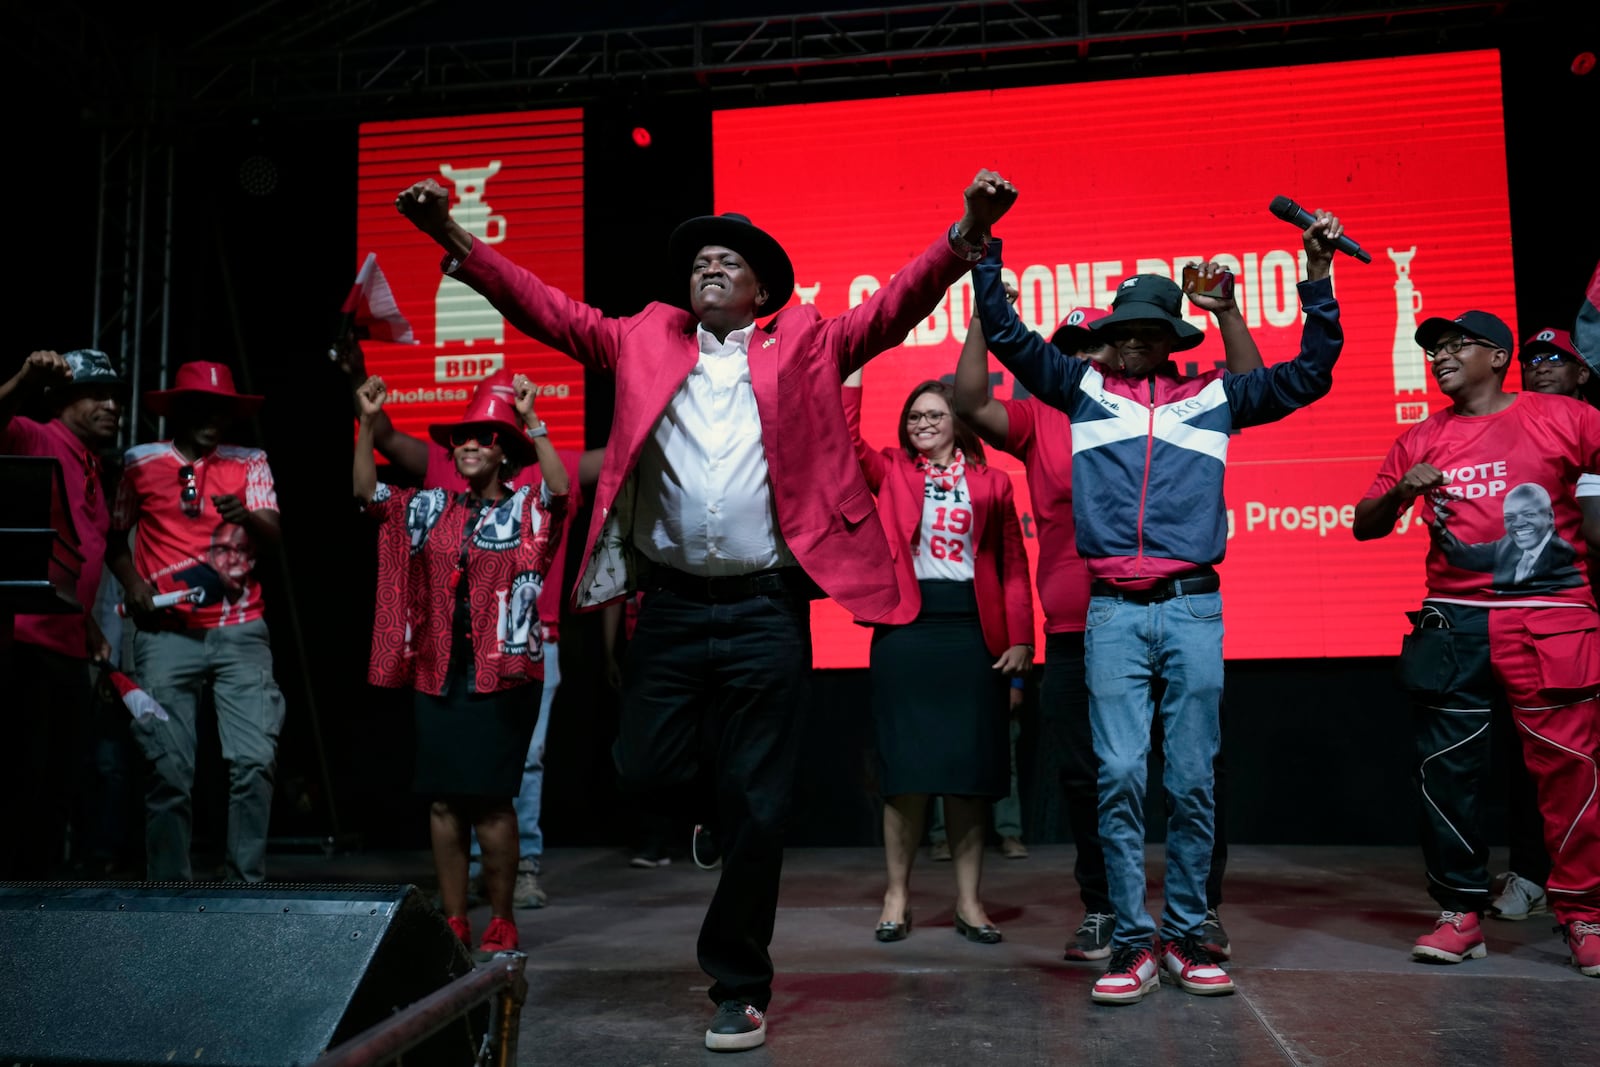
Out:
{"x": 940, "y": 662}
{"x": 459, "y": 576}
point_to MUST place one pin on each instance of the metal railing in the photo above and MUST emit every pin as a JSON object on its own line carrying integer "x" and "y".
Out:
{"x": 501, "y": 981}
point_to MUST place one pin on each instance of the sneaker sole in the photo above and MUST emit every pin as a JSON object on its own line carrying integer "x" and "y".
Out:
{"x": 736, "y": 1042}
{"x": 1087, "y": 954}
{"x": 1512, "y": 916}
{"x": 1429, "y": 954}
{"x": 1201, "y": 989}
{"x": 1130, "y": 997}
{"x": 529, "y": 905}
{"x": 1587, "y": 972}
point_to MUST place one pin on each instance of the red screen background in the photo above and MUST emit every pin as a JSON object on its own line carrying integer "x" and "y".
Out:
{"x": 1143, "y": 176}
{"x": 530, "y": 208}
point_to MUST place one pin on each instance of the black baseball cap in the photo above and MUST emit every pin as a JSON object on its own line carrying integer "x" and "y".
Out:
{"x": 1479, "y": 325}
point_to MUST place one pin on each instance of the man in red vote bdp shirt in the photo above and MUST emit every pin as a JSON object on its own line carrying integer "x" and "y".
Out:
{"x": 201, "y": 509}
{"x": 1508, "y": 618}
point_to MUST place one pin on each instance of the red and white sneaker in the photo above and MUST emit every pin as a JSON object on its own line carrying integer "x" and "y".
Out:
{"x": 1583, "y": 941}
{"x": 1195, "y": 968}
{"x": 1131, "y": 974}
{"x": 1457, "y": 936}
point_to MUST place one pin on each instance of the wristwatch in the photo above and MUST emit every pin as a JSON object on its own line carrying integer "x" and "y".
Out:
{"x": 538, "y": 431}
{"x": 965, "y": 248}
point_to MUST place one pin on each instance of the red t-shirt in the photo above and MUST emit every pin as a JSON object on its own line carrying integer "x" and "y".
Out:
{"x": 174, "y": 549}
{"x": 1041, "y": 436}
{"x": 91, "y": 519}
{"x": 1506, "y": 529}
{"x": 442, "y": 474}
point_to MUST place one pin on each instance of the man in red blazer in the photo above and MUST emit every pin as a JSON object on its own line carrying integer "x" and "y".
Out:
{"x": 730, "y": 495}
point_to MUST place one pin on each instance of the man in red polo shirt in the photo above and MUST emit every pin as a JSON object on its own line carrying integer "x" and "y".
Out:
{"x": 202, "y": 510}
{"x": 52, "y": 653}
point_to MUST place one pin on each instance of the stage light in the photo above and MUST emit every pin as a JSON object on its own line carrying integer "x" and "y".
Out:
{"x": 641, "y": 136}
{"x": 1582, "y": 63}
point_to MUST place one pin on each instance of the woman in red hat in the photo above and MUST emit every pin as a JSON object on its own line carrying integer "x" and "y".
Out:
{"x": 458, "y": 577}
{"x": 940, "y": 663}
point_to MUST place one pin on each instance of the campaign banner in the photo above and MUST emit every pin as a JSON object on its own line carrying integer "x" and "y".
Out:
{"x": 1144, "y": 176}
{"x": 516, "y": 184}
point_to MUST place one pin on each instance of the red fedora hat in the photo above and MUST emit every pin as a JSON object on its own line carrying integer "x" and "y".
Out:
{"x": 203, "y": 379}
{"x": 493, "y": 404}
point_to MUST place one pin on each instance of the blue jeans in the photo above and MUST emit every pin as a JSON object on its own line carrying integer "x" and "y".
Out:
{"x": 1128, "y": 647}
{"x": 530, "y": 838}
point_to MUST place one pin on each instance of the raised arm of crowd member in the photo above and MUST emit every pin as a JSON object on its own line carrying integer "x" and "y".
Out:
{"x": 1375, "y": 517}
{"x": 581, "y": 331}
{"x": 37, "y": 371}
{"x": 873, "y": 464}
{"x": 408, "y": 453}
{"x": 975, "y": 401}
{"x": 370, "y": 396}
{"x": 1238, "y": 347}
{"x": 551, "y": 469}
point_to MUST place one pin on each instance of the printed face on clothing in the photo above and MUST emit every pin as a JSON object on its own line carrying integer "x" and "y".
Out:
{"x": 1530, "y": 516}
{"x": 232, "y": 556}
{"x": 1557, "y": 373}
{"x": 93, "y": 413}
{"x": 1460, "y": 362}
{"x": 720, "y": 281}
{"x": 930, "y": 425}
{"x": 1142, "y": 346}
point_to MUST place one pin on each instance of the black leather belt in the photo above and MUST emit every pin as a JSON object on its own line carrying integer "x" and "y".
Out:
{"x": 1165, "y": 589}
{"x": 782, "y": 581}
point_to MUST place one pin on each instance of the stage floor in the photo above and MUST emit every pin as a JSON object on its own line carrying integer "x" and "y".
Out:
{"x": 1321, "y": 939}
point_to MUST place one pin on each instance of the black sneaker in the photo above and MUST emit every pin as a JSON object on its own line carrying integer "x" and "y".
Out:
{"x": 735, "y": 1027}
{"x": 1214, "y": 937}
{"x": 1092, "y": 939}
{"x": 704, "y": 849}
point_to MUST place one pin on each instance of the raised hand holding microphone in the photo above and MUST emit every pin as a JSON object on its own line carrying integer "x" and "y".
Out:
{"x": 1295, "y": 215}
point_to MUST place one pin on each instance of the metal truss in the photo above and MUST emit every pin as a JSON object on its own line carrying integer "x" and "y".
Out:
{"x": 329, "y": 63}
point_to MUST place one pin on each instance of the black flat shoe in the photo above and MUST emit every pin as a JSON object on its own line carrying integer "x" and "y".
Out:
{"x": 983, "y": 935}
{"x": 893, "y": 931}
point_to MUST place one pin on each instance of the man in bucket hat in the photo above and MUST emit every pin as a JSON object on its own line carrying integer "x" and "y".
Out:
{"x": 1149, "y": 453}
{"x": 1041, "y": 436}
{"x": 182, "y": 495}
{"x": 51, "y": 657}
{"x": 1509, "y": 618}
{"x": 730, "y": 493}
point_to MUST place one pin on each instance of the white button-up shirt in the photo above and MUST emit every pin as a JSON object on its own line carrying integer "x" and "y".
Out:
{"x": 705, "y": 502}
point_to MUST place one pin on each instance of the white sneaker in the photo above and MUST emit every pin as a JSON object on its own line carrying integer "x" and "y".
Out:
{"x": 1518, "y": 899}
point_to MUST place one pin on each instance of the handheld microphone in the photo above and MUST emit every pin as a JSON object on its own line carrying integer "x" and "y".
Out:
{"x": 1301, "y": 219}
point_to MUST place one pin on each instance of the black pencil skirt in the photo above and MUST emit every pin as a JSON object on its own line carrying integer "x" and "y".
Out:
{"x": 473, "y": 744}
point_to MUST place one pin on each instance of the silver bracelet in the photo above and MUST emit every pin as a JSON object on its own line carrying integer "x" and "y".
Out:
{"x": 538, "y": 431}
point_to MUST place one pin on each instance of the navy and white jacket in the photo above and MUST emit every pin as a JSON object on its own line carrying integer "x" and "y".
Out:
{"x": 1148, "y": 454}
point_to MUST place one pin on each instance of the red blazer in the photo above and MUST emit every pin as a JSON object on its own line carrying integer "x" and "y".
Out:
{"x": 797, "y": 361}
{"x": 1000, "y": 566}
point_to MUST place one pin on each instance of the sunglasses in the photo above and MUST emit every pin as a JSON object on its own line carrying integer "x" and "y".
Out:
{"x": 189, "y": 493}
{"x": 484, "y": 438}
{"x": 1555, "y": 359}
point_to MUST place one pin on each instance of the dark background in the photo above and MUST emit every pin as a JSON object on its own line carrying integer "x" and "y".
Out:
{"x": 1317, "y": 749}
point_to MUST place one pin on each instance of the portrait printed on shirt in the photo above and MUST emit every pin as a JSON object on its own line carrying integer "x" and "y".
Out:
{"x": 422, "y": 513}
{"x": 223, "y": 577}
{"x": 1530, "y": 558}
{"x": 500, "y": 529}
{"x": 520, "y": 632}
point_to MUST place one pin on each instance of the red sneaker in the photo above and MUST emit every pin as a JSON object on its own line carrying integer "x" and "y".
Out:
{"x": 1195, "y": 968}
{"x": 1131, "y": 974}
{"x": 1583, "y": 941}
{"x": 461, "y": 928}
{"x": 1456, "y": 936}
{"x": 500, "y": 937}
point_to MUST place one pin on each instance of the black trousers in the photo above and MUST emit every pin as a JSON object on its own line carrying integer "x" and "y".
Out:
{"x": 1068, "y": 772}
{"x": 712, "y": 699}
{"x": 51, "y": 726}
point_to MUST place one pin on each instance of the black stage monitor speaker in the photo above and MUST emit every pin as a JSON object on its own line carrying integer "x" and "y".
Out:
{"x": 225, "y": 973}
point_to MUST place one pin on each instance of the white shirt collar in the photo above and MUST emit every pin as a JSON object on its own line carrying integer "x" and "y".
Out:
{"x": 737, "y": 339}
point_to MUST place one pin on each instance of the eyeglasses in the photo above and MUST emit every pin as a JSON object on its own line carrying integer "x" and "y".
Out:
{"x": 484, "y": 438}
{"x": 190, "y": 493}
{"x": 1555, "y": 359}
{"x": 932, "y": 418}
{"x": 1450, "y": 348}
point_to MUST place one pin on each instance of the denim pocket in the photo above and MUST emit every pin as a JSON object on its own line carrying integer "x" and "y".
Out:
{"x": 1101, "y": 609}
{"x": 1203, "y": 605}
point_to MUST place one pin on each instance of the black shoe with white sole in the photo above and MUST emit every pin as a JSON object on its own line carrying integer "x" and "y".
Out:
{"x": 704, "y": 849}
{"x": 735, "y": 1027}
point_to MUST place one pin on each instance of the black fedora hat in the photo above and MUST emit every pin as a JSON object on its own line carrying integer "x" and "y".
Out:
{"x": 734, "y": 231}
{"x": 1151, "y": 298}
